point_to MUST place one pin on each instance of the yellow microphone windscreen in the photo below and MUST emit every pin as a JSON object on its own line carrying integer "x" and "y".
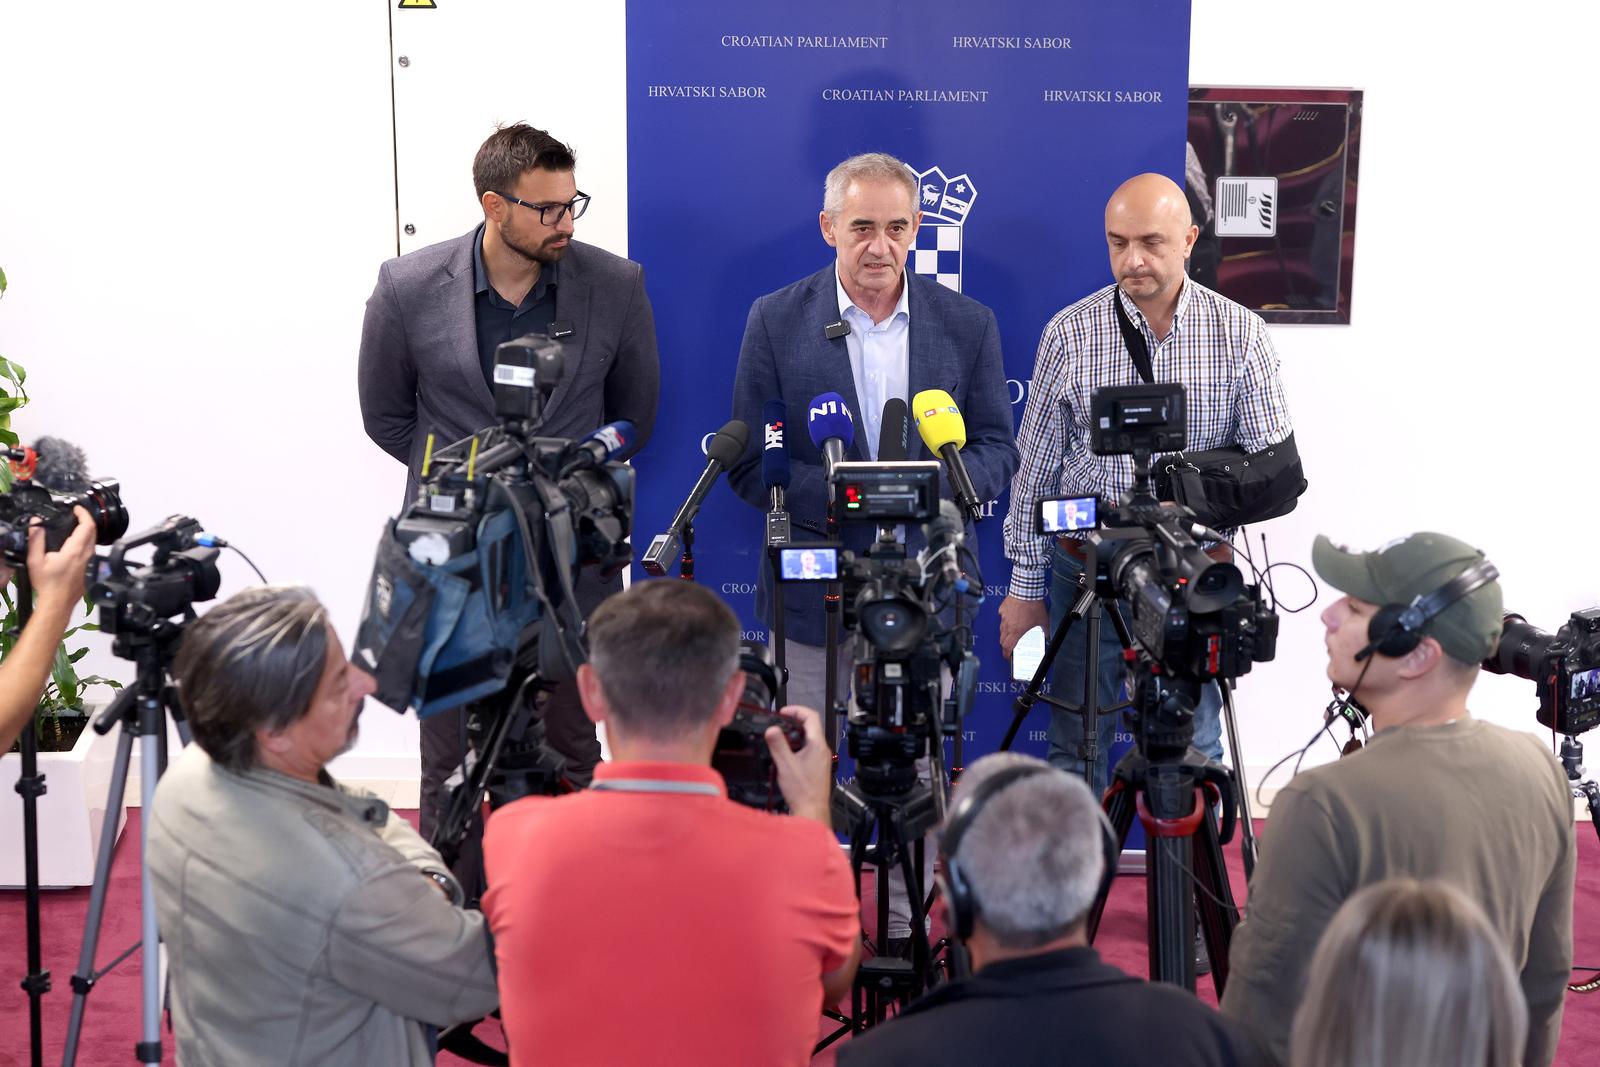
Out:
{"x": 939, "y": 421}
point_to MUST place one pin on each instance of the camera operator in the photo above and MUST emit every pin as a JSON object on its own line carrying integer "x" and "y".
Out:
{"x": 1221, "y": 353}
{"x": 1436, "y": 794}
{"x": 650, "y": 919}
{"x": 1027, "y": 844}
{"x": 57, "y": 579}
{"x": 307, "y": 923}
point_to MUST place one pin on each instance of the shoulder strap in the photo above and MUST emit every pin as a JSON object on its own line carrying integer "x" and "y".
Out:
{"x": 1132, "y": 338}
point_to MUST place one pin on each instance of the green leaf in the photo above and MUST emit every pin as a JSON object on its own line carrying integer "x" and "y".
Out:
{"x": 9, "y": 437}
{"x": 76, "y": 656}
{"x": 2, "y": 281}
{"x": 11, "y": 403}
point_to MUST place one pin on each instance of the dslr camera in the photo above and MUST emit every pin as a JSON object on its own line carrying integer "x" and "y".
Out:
{"x": 742, "y": 756}
{"x": 1563, "y": 666}
{"x": 27, "y": 499}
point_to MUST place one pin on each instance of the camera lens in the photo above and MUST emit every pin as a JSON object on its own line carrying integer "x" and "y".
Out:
{"x": 1523, "y": 647}
{"x": 103, "y": 502}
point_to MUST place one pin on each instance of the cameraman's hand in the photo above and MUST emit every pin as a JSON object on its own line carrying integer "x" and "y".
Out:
{"x": 1017, "y": 617}
{"x": 805, "y": 777}
{"x": 57, "y": 576}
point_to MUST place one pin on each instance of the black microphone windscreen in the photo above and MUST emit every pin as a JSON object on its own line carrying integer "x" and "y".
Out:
{"x": 892, "y": 433}
{"x": 63, "y": 468}
{"x": 728, "y": 444}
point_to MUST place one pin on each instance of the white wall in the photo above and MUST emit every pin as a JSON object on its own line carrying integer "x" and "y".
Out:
{"x": 194, "y": 198}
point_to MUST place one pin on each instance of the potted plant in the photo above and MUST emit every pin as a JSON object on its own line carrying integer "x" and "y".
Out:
{"x": 75, "y": 761}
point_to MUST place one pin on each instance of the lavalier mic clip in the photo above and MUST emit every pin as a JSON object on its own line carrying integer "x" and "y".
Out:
{"x": 835, "y": 330}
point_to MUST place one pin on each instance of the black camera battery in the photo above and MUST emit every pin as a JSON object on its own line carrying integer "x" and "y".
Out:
{"x": 434, "y": 539}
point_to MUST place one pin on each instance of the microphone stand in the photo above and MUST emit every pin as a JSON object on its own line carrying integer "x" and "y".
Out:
{"x": 686, "y": 565}
{"x": 832, "y": 600}
{"x": 30, "y": 784}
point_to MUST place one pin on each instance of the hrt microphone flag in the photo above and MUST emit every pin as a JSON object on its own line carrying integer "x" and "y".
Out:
{"x": 774, "y": 448}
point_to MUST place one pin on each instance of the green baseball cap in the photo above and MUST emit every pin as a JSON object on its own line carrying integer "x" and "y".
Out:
{"x": 1401, "y": 571}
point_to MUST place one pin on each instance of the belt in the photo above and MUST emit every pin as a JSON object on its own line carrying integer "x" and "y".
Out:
{"x": 1078, "y": 549}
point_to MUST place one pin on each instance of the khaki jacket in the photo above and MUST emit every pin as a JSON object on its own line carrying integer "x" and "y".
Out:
{"x": 299, "y": 926}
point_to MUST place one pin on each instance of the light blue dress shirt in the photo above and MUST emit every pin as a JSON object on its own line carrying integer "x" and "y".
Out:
{"x": 880, "y": 361}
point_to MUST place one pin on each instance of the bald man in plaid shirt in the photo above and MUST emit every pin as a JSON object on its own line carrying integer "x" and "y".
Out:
{"x": 1218, "y": 349}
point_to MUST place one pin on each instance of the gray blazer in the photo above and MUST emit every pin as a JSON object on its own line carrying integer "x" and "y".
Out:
{"x": 419, "y": 371}
{"x": 300, "y": 925}
{"x": 954, "y": 346}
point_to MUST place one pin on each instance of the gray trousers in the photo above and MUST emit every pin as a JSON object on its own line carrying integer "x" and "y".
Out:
{"x": 807, "y": 686}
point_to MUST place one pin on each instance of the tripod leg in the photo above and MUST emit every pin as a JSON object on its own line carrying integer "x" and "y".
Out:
{"x": 1247, "y": 844}
{"x": 1174, "y": 806}
{"x": 1119, "y": 805}
{"x": 1214, "y": 898}
{"x": 152, "y": 758}
{"x": 83, "y": 978}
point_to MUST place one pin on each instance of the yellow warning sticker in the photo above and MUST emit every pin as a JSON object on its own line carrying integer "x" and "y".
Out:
{"x": 417, "y": 3}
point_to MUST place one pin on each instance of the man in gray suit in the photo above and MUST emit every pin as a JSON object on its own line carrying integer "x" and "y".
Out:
{"x": 433, "y": 323}
{"x": 906, "y": 334}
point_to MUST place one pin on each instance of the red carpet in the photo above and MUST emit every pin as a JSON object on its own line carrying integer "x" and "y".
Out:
{"x": 112, "y": 1021}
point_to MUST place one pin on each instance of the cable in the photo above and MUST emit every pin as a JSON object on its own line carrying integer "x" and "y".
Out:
{"x": 253, "y": 567}
{"x": 1344, "y": 708}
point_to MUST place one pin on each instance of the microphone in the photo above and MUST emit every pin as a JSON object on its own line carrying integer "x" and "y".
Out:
{"x": 723, "y": 451}
{"x": 892, "y": 432}
{"x": 833, "y": 429}
{"x": 945, "y": 534}
{"x": 62, "y": 466}
{"x": 613, "y": 441}
{"x": 944, "y": 431}
{"x": 775, "y": 469}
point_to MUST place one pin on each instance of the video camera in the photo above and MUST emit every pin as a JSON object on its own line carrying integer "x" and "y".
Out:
{"x": 1564, "y": 666}
{"x": 471, "y": 600}
{"x": 1193, "y": 617}
{"x": 137, "y": 602}
{"x": 893, "y": 603}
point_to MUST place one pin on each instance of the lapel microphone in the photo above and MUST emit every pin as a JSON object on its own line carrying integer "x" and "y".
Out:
{"x": 835, "y": 330}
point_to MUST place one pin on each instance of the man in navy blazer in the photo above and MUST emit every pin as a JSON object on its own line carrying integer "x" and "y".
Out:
{"x": 906, "y": 334}
{"x": 432, "y": 325}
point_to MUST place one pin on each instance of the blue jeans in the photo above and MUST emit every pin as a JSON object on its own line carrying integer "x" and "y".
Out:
{"x": 1066, "y": 683}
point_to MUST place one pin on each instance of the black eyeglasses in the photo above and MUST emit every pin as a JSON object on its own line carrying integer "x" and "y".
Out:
{"x": 577, "y": 205}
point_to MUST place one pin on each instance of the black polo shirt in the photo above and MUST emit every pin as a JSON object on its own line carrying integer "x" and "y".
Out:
{"x": 497, "y": 320}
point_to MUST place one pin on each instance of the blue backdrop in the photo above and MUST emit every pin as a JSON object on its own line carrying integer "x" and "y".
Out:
{"x": 1022, "y": 115}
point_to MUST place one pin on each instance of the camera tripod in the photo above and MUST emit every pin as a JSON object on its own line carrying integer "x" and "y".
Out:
{"x": 1088, "y": 607}
{"x": 142, "y": 710}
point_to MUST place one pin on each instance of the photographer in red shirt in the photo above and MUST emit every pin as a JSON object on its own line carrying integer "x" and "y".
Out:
{"x": 650, "y": 919}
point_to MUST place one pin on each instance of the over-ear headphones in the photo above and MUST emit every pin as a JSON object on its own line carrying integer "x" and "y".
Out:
{"x": 953, "y": 882}
{"x": 1396, "y": 629}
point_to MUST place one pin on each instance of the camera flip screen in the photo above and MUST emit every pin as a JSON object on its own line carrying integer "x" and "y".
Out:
{"x": 815, "y": 563}
{"x": 1068, "y": 513}
{"x": 1586, "y": 689}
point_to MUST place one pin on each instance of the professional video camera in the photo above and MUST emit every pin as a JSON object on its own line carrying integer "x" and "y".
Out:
{"x": 741, "y": 755}
{"x": 893, "y": 603}
{"x": 1564, "y": 666}
{"x": 139, "y": 603}
{"x": 34, "y": 494}
{"x": 471, "y": 600}
{"x": 1193, "y": 617}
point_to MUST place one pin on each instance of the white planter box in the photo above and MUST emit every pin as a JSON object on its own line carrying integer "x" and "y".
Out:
{"x": 71, "y": 813}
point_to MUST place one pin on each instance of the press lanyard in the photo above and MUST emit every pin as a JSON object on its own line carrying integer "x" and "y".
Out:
{"x": 656, "y": 785}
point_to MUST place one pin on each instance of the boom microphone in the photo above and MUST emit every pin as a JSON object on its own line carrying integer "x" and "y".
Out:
{"x": 832, "y": 428}
{"x": 892, "y": 431}
{"x": 723, "y": 451}
{"x": 944, "y": 431}
{"x": 62, "y": 466}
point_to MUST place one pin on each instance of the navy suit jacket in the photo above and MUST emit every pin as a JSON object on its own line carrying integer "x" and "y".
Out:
{"x": 954, "y": 346}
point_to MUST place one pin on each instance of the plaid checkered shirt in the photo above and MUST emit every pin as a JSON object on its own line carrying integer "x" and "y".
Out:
{"x": 1217, "y": 348}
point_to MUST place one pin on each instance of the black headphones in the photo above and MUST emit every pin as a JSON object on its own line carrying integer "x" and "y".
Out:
{"x": 1396, "y": 629}
{"x": 953, "y": 882}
